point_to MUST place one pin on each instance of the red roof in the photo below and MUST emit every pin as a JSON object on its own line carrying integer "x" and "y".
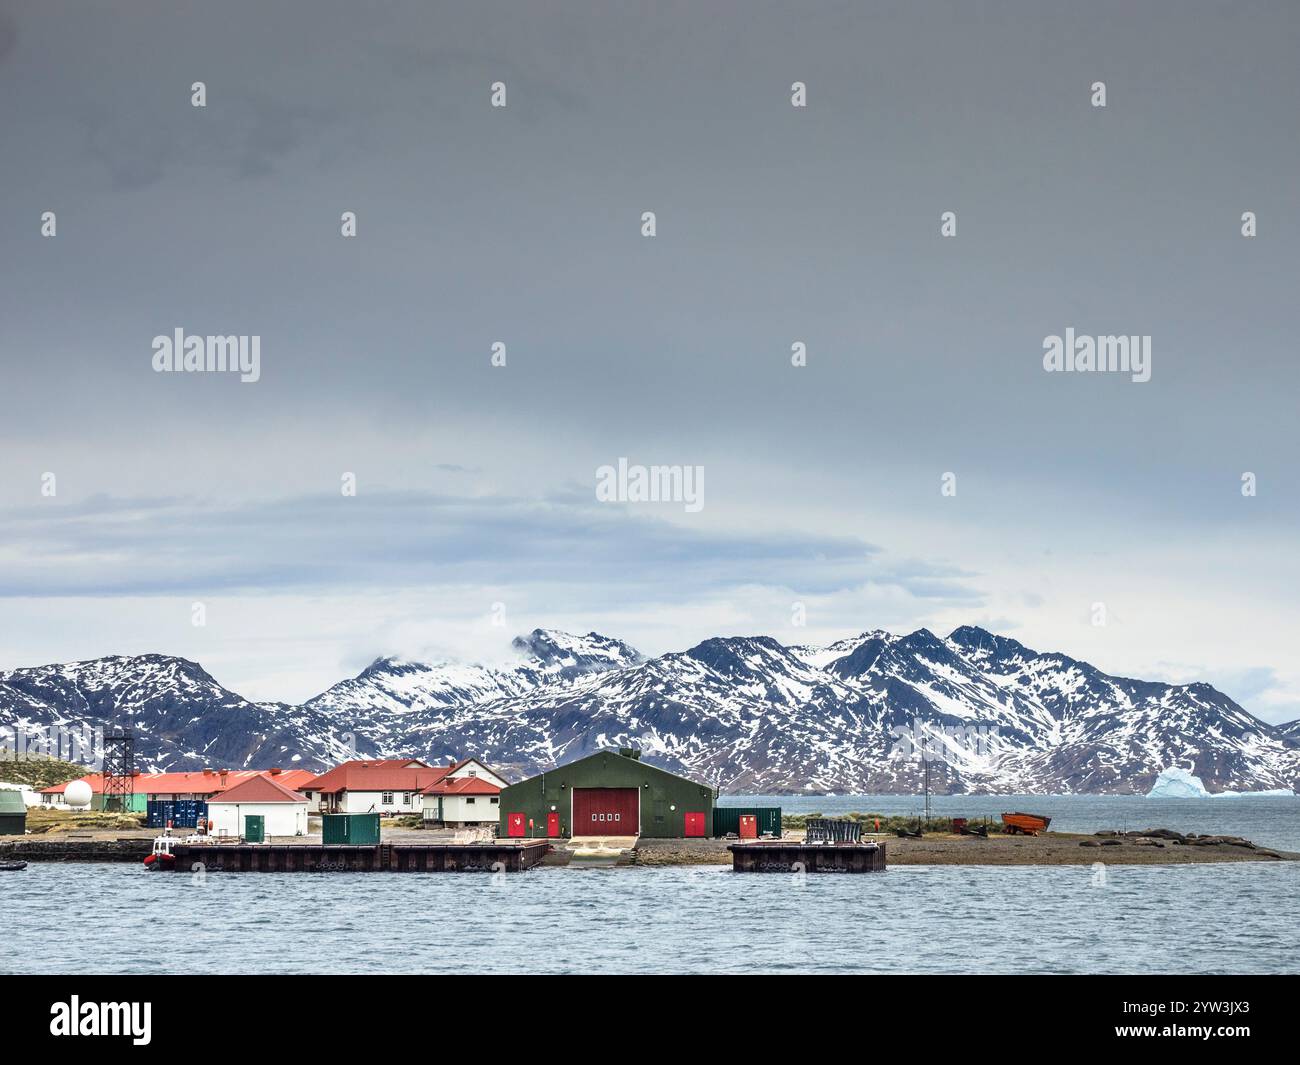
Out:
{"x": 95, "y": 780}
{"x": 199, "y": 782}
{"x": 463, "y": 786}
{"x": 259, "y": 789}
{"x": 384, "y": 774}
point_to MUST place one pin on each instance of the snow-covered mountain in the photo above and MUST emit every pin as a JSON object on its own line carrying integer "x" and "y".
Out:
{"x": 182, "y": 717}
{"x": 746, "y": 713}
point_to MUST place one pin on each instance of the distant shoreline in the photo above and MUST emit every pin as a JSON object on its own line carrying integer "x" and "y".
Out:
{"x": 1052, "y": 848}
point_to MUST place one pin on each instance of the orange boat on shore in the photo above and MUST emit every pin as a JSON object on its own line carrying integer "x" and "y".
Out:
{"x": 1029, "y": 824}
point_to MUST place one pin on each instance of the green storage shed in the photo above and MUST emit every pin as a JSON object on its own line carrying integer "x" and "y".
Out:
{"x": 13, "y": 813}
{"x": 356, "y": 830}
{"x": 609, "y": 793}
{"x": 766, "y": 820}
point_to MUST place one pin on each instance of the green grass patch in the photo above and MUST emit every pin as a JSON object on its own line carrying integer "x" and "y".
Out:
{"x": 38, "y": 772}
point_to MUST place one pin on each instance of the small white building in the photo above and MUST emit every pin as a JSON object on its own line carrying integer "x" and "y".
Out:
{"x": 469, "y": 795}
{"x": 466, "y": 801}
{"x": 284, "y": 811}
{"x": 31, "y": 797}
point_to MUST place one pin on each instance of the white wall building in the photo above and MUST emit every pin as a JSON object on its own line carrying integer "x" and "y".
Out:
{"x": 389, "y": 786}
{"x": 469, "y": 795}
{"x": 284, "y": 812}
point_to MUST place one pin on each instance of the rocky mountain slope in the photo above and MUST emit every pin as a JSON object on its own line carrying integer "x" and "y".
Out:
{"x": 746, "y": 713}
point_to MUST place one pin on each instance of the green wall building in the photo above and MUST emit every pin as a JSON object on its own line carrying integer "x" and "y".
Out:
{"x": 13, "y": 813}
{"x": 609, "y": 793}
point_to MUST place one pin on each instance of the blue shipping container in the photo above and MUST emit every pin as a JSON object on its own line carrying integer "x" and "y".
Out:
{"x": 182, "y": 813}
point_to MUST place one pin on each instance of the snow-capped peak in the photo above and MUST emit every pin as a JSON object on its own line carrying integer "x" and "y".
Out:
{"x": 571, "y": 656}
{"x": 744, "y": 712}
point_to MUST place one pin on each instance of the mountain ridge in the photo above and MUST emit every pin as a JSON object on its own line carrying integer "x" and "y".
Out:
{"x": 746, "y": 713}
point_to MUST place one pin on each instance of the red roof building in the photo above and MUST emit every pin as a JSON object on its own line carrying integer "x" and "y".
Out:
{"x": 463, "y": 786}
{"x": 259, "y": 808}
{"x": 198, "y": 784}
{"x": 259, "y": 789}
{"x": 395, "y": 785}
{"x": 469, "y": 796}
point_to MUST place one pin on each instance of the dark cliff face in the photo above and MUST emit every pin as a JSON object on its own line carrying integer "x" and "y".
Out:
{"x": 746, "y": 713}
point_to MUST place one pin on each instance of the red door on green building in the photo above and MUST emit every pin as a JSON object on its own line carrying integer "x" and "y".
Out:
{"x": 694, "y": 825}
{"x": 748, "y": 826}
{"x": 514, "y": 824}
{"x": 552, "y": 824}
{"x": 606, "y": 812}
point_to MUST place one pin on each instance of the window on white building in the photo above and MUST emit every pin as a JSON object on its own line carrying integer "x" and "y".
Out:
{"x": 494, "y": 799}
{"x": 470, "y": 801}
{"x": 386, "y": 798}
{"x": 406, "y": 798}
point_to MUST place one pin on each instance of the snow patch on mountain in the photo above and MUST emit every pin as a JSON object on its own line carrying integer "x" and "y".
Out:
{"x": 746, "y": 713}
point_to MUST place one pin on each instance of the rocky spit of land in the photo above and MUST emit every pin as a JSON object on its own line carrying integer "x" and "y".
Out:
{"x": 1153, "y": 847}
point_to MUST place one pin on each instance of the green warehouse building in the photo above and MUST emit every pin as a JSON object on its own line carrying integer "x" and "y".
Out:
{"x": 609, "y": 793}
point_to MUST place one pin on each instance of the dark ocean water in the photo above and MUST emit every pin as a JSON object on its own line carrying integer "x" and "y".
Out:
{"x": 72, "y": 918}
{"x": 1187, "y": 919}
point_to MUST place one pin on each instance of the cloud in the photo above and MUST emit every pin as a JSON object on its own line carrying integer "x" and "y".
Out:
{"x": 108, "y": 546}
{"x": 8, "y": 35}
{"x": 247, "y": 135}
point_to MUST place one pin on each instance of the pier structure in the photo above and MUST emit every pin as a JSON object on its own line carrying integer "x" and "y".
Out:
{"x": 484, "y": 857}
{"x": 793, "y": 856}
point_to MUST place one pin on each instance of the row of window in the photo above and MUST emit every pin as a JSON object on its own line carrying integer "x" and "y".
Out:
{"x": 386, "y": 798}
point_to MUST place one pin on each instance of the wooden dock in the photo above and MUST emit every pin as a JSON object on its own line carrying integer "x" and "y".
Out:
{"x": 489, "y": 857}
{"x": 790, "y": 856}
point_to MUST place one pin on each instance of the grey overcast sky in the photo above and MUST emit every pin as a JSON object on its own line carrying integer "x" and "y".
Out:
{"x": 775, "y": 224}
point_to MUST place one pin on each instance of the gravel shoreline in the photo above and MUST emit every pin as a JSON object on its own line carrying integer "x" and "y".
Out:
{"x": 1053, "y": 848}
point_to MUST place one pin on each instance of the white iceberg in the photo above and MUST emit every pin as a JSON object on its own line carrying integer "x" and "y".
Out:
{"x": 1175, "y": 783}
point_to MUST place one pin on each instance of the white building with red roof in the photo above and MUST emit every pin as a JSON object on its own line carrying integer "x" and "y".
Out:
{"x": 373, "y": 785}
{"x": 469, "y": 796}
{"x": 283, "y": 810}
{"x": 400, "y": 786}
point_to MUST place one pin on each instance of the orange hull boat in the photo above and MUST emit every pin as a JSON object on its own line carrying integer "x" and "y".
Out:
{"x": 1029, "y": 824}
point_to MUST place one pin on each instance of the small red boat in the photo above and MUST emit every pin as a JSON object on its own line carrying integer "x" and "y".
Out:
{"x": 162, "y": 856}
{"x": 1028, "y": 824}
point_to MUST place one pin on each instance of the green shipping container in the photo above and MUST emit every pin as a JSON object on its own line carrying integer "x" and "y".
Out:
{"x": 727, "y": 819}
{"x": 254, "y": 828}
{"x": 356, "y": 830}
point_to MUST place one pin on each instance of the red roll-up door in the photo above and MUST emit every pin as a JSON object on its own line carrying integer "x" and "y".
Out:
{"x": 606, "y": 812}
